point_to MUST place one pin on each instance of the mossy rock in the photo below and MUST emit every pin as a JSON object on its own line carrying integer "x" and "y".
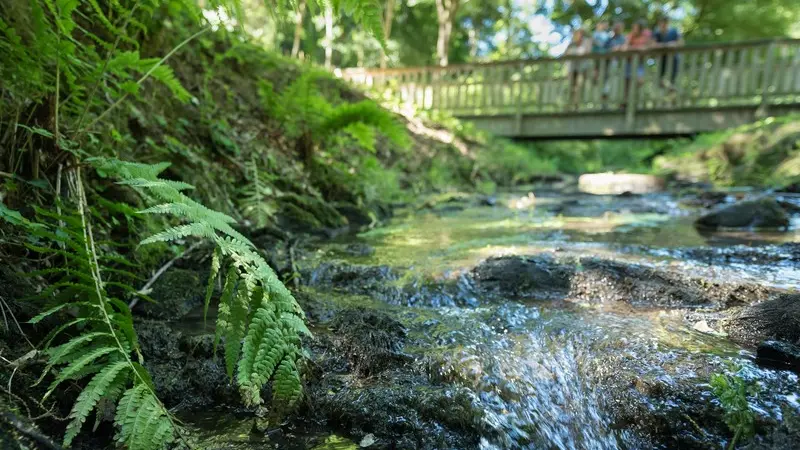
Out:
{"x": 176, "y": 293}
{"x": 308, "y": 214}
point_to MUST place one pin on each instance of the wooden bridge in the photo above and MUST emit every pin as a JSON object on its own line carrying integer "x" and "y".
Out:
{"x": 714, "y": 87}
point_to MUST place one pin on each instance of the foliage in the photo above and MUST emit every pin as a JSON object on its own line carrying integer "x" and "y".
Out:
{"x": 762, "y": 153}
{"x": 732, "y": 392}
{"x": 255, "y": 305}
{"x": 103, "y": 346}
{"x": 257, "y": 199}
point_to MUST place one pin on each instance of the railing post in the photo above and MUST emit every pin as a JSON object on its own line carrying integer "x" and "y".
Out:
{"x": 633, "y": 88}
{"x": 518, "y": 99}
{"x": 766, "y": 81}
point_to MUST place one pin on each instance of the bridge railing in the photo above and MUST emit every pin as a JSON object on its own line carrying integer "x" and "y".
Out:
{"x": 706, "y": 76}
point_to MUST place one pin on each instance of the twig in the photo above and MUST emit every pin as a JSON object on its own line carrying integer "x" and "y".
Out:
{"x": 146, "y": 288}
{"x": 4, "y": 306}
{"x": 30, "y": 432}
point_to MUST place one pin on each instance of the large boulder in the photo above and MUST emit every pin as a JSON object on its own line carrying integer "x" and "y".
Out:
{"x": 777, "y": 319}
{"x": 761, "y": 213}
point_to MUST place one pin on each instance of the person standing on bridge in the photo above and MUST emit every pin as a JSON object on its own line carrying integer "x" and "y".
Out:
{"x": 600, "y": 39}
{"x": 666, "y": 36}
{"x": 580, "y": 45}
{"x": 639, "y": 38}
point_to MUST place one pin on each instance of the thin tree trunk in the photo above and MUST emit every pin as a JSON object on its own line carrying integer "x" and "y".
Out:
{"x": 446, "y": 11}
{"x": 388, "y": 17}
{"x": 298, "y": 28}
{"x": 328, "y": 36}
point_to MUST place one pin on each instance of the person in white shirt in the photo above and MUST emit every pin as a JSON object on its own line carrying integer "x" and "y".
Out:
{"x": 580, "y": 45}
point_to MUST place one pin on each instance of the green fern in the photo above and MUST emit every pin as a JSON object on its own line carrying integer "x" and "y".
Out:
{"x": 259, "y": 320}
{"x": 105, "y": 348}
{"x": 257, "y": 198}
{"x": 307, "y": 114}
{"x": 366, "y": 113}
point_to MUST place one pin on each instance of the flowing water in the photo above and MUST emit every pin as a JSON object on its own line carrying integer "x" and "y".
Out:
{"x": 567, "y": 374}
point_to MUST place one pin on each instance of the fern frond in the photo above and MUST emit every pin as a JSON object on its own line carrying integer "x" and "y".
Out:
{"x": 212, "y": 278}
{"x": 255, "y": 306}
{"x": 88, "y": 398}
{"x": 367, "y": 113}
{"x": 286, "y": 388}
{"x": 236, "y": 326}
{"x": 77, "y": 366}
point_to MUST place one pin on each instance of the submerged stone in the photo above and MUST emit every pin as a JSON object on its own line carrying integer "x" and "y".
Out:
{"x": 760, "y": 213}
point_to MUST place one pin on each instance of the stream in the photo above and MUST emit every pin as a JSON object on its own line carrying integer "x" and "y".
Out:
{"x": 554, "y": 320}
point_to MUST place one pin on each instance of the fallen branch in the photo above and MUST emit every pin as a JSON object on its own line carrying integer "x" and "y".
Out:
{"x": 146, "y": 288}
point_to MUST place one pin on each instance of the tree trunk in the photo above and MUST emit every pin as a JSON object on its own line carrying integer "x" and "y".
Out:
{"x": 446, "y": 11}
{"x": 298, "y": 28}
{"x": 328, "y": 36}
{"x": 388, "y": 17}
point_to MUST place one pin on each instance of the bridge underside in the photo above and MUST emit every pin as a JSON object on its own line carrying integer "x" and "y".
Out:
{"x": 661, "y": 123}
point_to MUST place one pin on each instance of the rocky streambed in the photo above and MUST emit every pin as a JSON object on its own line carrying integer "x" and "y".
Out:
{"x": 545, "y": 320}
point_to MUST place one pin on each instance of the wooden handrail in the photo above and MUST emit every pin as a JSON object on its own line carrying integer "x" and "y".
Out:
{"x": 654, "y": 50}
{"x": 750, "y": 74}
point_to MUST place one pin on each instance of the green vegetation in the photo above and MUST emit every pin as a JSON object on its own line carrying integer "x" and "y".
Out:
{"x": 732, "y": 392}
{"x": 132, "y": 131}
{"x": 110, "y": 115}
{"x": 763, "y": 153}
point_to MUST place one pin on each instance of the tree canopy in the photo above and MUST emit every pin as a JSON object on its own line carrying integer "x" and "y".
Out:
{"x": 508, "y": 29}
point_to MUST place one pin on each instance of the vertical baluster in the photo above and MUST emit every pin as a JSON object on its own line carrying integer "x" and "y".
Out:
{"x": 633, "y": 89}
{"x": 644, "y": 91}
{"x": 791, "y": 81}
{"x": 778, "y": 67}
{"x": 767, "y": 77}
{"x": 665, "y": 82}
{"x": 730, "y": 76}
{"x": 681, "y": 78}
{"x": 717, "y": 75}
{"x": 702, "y": 94}
{"x": 741, "y": 73}
{"x": 541, "y": 75}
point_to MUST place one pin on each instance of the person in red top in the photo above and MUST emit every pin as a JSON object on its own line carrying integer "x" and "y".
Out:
{"x": 639, "y": 38}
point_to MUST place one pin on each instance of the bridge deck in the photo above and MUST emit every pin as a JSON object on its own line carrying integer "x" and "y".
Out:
{"x": 713, "y": 87}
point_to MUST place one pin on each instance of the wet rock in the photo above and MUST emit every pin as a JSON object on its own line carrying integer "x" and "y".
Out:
{"x": 359, "y": 279}
{"x": 785, "y": 436}
{"x": 371, "y": 341}
{"x": 356, "y": 216}
{"x": 400, "y": 409}
{"x": 777, "y": 319}
{"x": 176, "y": 293}
{"x": 543, "y": 277}
{"x": 185, "y": 372}
{"x": 381, "y": 283}
{"x": 760, "y": 213}
{"x": 779, "y": 355}
{"x": 706, "y": 199}
{"x": 540, "y": 277}
{"x": 613, "y": 281}
{"x": 364, "y": 385}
